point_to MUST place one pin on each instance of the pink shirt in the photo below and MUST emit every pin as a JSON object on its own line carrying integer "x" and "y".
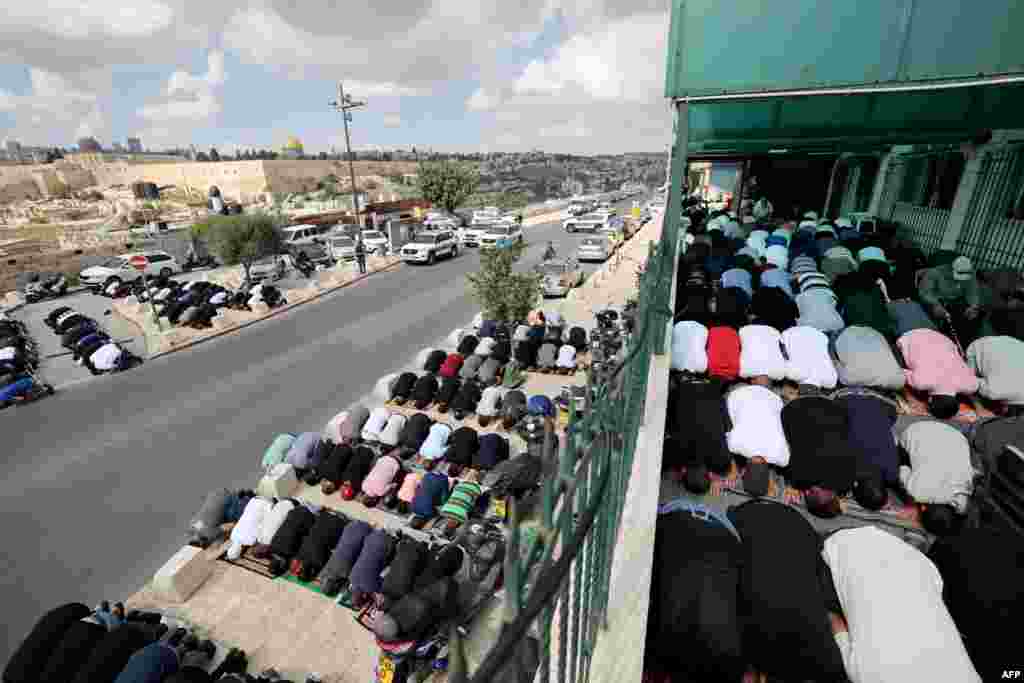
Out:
{"x": 381, "y": 479}
{"x": 935, "y": 364}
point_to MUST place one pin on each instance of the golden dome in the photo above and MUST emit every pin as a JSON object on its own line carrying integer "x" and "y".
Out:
{"x": 293, "y": 143}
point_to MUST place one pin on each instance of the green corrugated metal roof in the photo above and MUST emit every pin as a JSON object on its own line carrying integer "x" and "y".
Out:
{"x": 852, "y": 122}
{"x": 718, "y": 46}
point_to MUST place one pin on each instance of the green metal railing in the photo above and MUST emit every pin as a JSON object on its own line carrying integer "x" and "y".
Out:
{"x": 558, "y": 571}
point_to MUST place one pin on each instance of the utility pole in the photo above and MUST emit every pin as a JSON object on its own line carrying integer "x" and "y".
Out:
{"x": 344, "y": 104}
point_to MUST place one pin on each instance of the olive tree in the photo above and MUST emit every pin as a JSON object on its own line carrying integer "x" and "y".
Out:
{"x": 503, "y": 292}
{"x": 447, "y": 184}
{"x": 243, "y": 239}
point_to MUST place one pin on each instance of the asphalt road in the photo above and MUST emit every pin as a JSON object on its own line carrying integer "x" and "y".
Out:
{"x": 101, "y": 480}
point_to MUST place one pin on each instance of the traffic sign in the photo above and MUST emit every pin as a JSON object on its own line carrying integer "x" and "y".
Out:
{"x": 138, "y": 262}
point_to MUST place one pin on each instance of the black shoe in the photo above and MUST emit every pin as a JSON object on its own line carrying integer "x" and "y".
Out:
{"x": 176, "y": 638}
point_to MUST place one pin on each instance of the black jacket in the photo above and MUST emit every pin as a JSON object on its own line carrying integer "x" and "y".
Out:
{"x": 410, "y": 557}
{"x": 820, "y": 453}
{"x": 493, "y": 451}
{"x": 463, "y": 445}
{"x": 332, "y": 466}
{"x": 693, "y": 624}
{"x": 425, "y": 389}
{"x": 697, "y": 422}
{"x": 468, "y": 397}
{"x": 467, "y": 345}
{"x": 786, "y": 633}
{"x": 435, "y": 359}
{"x": 403, "y": 385}
{"x": 415, "y": 431}
{"x": 289, "y": 537}
{"x": 319, "y": 543}
{"x": 359, "y": 465}
{"x": 449, "y": 389}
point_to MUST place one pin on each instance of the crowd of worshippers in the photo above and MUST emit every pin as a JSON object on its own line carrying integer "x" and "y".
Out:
{"x": 195, "y": 304}
{"x": 438, "y": 473}
{"x": 89, "y": 344}
{"x": 109, "y": 644}
{"x": 19, "y": 359}
{"x": 754, "y": 594}
{"x": 794, "y": 362}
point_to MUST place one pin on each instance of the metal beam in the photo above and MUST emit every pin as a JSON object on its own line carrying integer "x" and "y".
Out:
{"x": 919, "y": 86}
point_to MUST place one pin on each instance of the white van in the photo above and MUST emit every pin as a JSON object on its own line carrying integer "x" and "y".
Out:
{"x": 294, "y": 235}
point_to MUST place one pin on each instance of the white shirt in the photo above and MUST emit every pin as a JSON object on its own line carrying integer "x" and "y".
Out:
{"x": 332, "y": 431}
{"x": 219, "y": 298}
{"x": 940, "y": 464}
{"x": 489, "y": 400}
{"x": 272, "y": 521}
{"x": 760, "y": 353}
{"x": 392, "y": 430}
{"x": 567, "y": 356}
{"x": 756, "y": 415}
{"x": 105, "y": 357}
{"x": 689, "y": 346}
{"x": 162, "y": 294}
{"x": 248, "y": 527}
{"x": 485, "y": 347}
{"x": 8, "y": 353}
{"x": 375, "y": 423}
{"x": 809, "y": 361}
{"x": 891, "y": 594}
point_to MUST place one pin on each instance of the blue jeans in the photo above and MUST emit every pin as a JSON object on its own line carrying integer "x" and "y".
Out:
{"x": 699, "y": 511}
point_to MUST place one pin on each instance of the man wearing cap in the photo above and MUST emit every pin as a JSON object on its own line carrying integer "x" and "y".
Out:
{"x": 952, "y": 291}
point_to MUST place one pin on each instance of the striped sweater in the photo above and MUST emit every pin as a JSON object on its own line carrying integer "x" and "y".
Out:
{"x": 462, "y": 501}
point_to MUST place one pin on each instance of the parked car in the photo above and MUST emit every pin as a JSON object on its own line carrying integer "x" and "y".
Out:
{"x": 341, "y": 247}
{"x": 270, "y": 268}
{"x": 119, "y": 269}
{"x": 427, "y": 247}
{"x": 471, "y": 235}
{"x": 590, "y": 222}
{"x": 594, "y": 249}
{"x": 501, "y": 236}
{"x": 316, "y": 253}
{"x": 376, "y": 242}
{"x": 560, "y": 275}
{"x": 295, "y": 235}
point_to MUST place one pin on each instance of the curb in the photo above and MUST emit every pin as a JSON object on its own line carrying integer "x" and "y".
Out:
{"x": 274, "y": 313}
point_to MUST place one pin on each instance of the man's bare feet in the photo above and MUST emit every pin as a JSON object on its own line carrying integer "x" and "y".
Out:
{"x": 792, "y": 496}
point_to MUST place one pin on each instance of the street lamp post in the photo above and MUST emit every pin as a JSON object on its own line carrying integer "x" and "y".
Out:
{"x": 344, "y": 104}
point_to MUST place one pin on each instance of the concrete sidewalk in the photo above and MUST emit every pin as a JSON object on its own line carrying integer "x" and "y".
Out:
{"x": 614, "y": 282}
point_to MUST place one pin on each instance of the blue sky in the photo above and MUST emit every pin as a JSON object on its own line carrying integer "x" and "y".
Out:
{"x": 442, "y": 74}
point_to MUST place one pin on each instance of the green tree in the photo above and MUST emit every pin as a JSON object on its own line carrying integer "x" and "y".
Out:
{"x": 502, "y": 292}
{"x": 447, "y": 184}
{"x": 242, "y": 239}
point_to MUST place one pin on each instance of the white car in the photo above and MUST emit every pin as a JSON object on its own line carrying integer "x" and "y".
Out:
{"x": 590, "y": 222}
{"x": 121, "y": 269}
{"x": 427, "y": 247}
{"x": 270, "y": 268}
{"x": 501, "y": 236}
{"x": 376, "y": 242}
{"x": 596, "y": 248}
{"x": 341, "y": 247}
{"x": 472, "y": 234}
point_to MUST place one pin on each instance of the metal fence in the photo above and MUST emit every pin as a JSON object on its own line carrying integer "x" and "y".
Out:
{"x": 558, "y": 574}
{"x": 993, "y": 230}
{"x": 924, "y": 226}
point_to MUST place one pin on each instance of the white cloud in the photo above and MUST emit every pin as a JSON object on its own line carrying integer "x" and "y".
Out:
{"x": 392, "y": 120}
{"x": 57, "y": 102}
{"x": 622, "y": 60}
{"x": 189, "y": 97}
{"x": 95, "y": 18}
{"x": 600, "y": 90}
{"x": 483, "y": 100}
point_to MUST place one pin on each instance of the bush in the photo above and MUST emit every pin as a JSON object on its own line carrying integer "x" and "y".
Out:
{"x": 503, "y": 293}
{"x": 241, "y": 239}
